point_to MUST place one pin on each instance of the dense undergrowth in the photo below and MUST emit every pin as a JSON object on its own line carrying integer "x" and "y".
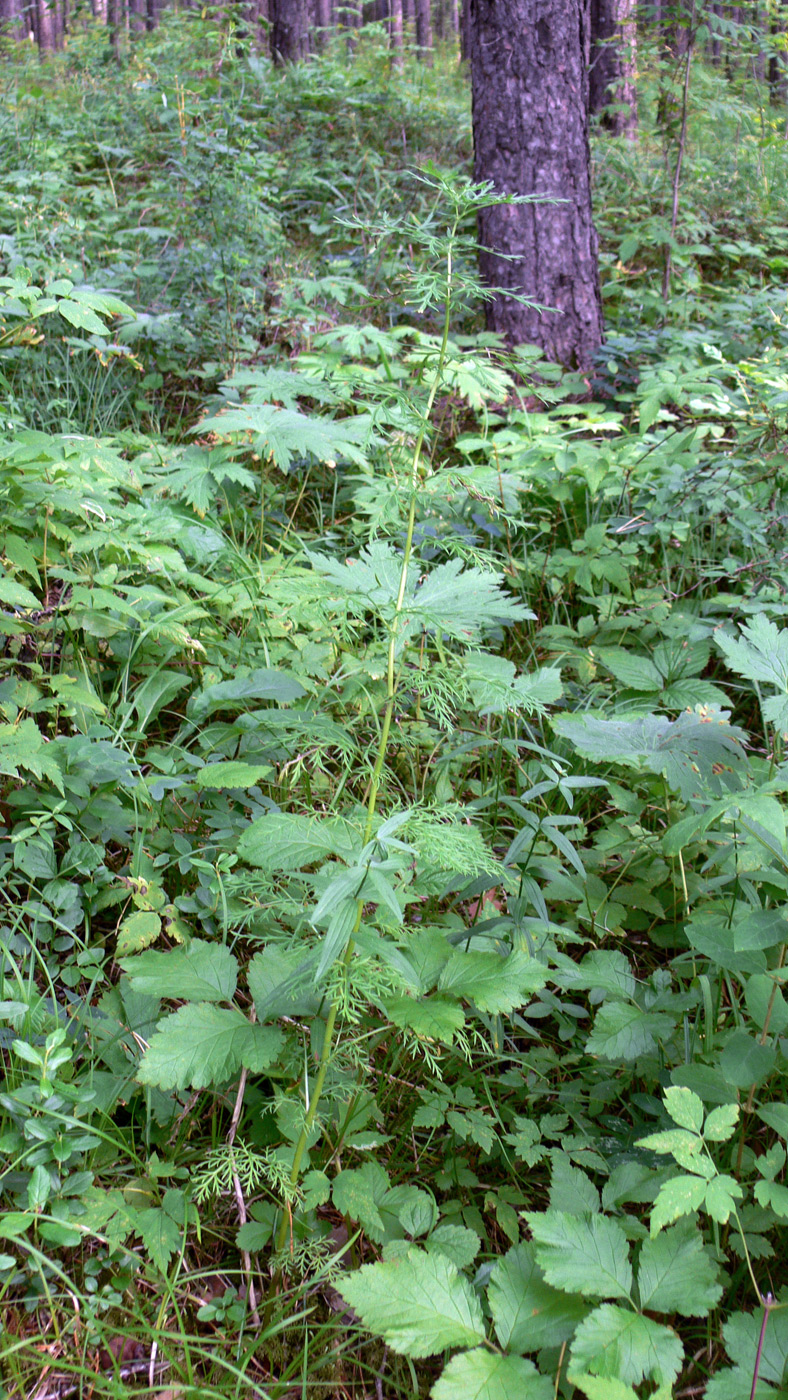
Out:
{"x": 393, "y": 845}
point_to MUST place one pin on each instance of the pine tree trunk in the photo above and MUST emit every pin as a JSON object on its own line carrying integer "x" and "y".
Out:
{"x": 45, "y": 26}
{"x": 465, "y": 29}
{"x": 424, "y": 30}
{"x": 11, "y": 20}
{"x": 396, "y": 37}
{"x": 529, "y": 69}
{"x": 323, "y": 21}
{"x": 289, "y": 30}
{"x": 613, "y": 61}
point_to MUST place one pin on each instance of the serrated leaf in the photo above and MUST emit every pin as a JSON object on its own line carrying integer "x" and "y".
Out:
{"x": 203, "y": 1044}
{"x": 137, "y": 931}
{"x": 570, "y": 1188}
{"x": 83, "y": 317}
{"x": 481, "y": 1375}
{"x": 358, "y": 1192}
{"x": 159, "y": 1233}
{"x": 684, "y": 1107}
{"x": 22, "y": 746}
{"x": 15, "y": 594}
{"x": 419, "y": 1304}
{"x": 286, "y": 435}
{"x": 721, "y": 1196}
{"x": 682, "y": 1195}
{"x": 201, "y": 972}
{"x": 613, "y": 1341}
{"x": 623, "y": 1031}
{"x": 759, "y": 653}
{"x": 527, "y": 1312}
{"x": 280, "y": 981}
{"x": 635, "y": 672}
{"x": 432, "y": 1018}
{"x": 230, "y": 773}
{"x": 582, "y": 1255}
{"x": 496, "y": 688}
{"x": 721, "y": 1122}
{"x": 495, "y": 984}
{"x": 675, "y": 1274}
{"x": 289, "y": 841}
{"x": 456, "y": 1242}
{"x": 462, "y": 602}
{"x": 452, "y": 600}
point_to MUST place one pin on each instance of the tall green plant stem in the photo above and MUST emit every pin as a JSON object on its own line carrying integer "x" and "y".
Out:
{"x": 380, "y": 758}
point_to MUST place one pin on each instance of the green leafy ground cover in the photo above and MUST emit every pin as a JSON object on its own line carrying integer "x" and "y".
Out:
{"x": 393, "y": 842}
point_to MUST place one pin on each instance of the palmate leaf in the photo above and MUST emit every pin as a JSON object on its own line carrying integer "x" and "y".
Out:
{"x": 197, "y": 474}
{"x": 614, "y": 1341}
{"x": 462, "y": 602}
{"x": 481, "y": 1375}
{"x": 453, "y": 600}
{"x": 495, "y": 984}
{"x": 419, "y": 1304}
{"x": 587, "y": 1255}
{"x": 760, "y": 653}
{"x": 675, "y": 1274}
{"x": 202, "y": 972}
{"x": 202, "y": 1044}
{"x": 23, "y": 747}
{"x": 685, "y": 749}
{"x": 285, "y": 435}
{"x": 282, "y": 386}
{"x": 496, "y": 688}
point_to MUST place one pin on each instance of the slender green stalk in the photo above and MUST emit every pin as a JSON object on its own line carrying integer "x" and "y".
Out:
{"x": 380, "y": 759}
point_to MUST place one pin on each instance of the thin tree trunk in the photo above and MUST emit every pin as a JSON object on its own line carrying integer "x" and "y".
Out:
{"x": 323, "y": 22}
{"x": 529, "y": 69}
{"x": 613, "y": 62}
{"x": 777, "y": 73}
{"x": 396, "y": 37}
{"x": 465, "y": 29}
{"x": 113, "y": 25}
